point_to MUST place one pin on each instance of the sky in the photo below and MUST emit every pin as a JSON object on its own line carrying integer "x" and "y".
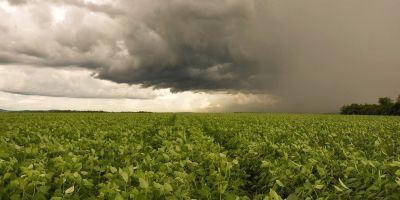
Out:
{"x": 198, "y": 56}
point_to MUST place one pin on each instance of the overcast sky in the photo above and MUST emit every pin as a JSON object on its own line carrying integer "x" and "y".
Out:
{"x": 201, "y": 56}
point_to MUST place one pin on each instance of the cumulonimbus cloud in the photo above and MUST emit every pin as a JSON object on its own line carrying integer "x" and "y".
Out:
{"x": 182, "y": 45}
{"x": 316, "y": 55}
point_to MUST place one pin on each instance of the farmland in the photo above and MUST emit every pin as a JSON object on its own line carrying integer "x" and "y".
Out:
{"x": 198, "y": 156}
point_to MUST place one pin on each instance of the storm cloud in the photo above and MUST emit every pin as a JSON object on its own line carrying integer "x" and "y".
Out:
{"x": 182, "y": 45}
{"x": 314, "y": 55}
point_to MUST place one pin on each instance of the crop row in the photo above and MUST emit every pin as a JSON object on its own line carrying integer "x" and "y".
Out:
{"x": 311, "y": 156}
{"x": 102, "y": 157}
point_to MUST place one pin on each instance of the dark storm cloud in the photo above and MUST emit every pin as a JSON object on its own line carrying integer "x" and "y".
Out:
{"x": 315, "y": 55}
{"x": 192, "y": 45}
{"x": 182, "y": 45}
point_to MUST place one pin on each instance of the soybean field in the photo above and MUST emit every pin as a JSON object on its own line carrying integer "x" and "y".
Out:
{"x": 198, "y": 156}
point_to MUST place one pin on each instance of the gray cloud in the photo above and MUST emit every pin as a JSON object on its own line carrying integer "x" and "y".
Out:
{"x": 17, "y": 2}
{"x": 315, "y": 55}
{"x": 182, "y": 45}
{"x": 67, "y": 82}
{"x": 192, "y": 45}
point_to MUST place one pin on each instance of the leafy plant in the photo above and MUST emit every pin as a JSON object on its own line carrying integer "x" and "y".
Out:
{"x": 198, "y": 156}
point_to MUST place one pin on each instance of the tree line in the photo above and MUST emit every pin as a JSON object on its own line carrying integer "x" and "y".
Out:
{"x": 386, "y": 106}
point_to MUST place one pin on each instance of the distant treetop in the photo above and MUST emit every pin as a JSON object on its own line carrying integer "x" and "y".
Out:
{"x": 386, "y": 106}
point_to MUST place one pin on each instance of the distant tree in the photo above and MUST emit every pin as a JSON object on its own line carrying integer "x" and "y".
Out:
{"x": 396, "y": 107}
{"x": 385, "y": 101}
{"x": 348, "y": 110}
{"x": 353, "y": 109}
{"x": 386, "y": 106}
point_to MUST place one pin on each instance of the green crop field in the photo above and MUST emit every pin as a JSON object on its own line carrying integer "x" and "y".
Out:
{"x": 198, "y": 156}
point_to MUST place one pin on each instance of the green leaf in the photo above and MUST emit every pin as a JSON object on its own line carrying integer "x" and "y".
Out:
{"x": 398, "y": 181}
{"x": 338, "y": 188}
{"x": 279, "y": 183}
{"x": 236, "y": 162}
{"x": 70, "y": 190}
{"x": 308, "y": 186}
{"x": 44, "y": 189}
{"x": 372, "y": 164}
{"x": 84, "y": 173}
{"x": 113, "y": 169}
{"x": 265, "y": 164}
{"x": 4, "y": 154}
{"x": 168, "y": 187}
{"x": 124, "y": 175}
{"x": 119, "y": 197}
{"x": 273, "y": 195}
{"x": 158, "y": 186}
{"x": 131, "y": 169}
{"x": 395, "y": 164}
{"x": 319, "y": 186}
{"x": 143, "y": 183}
{"x": 343, "y": 185}
{"x": 292, "y": 196}
{"x": 222, "y": 187}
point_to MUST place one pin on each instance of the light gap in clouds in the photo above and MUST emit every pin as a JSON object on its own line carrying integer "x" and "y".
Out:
{"x": 58, "y": 13}
{"x": 172, "y": 102}
{"x": 68, "y": 82}
{"x": 4, "y": 5}
{"x": 98, "y": 2}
